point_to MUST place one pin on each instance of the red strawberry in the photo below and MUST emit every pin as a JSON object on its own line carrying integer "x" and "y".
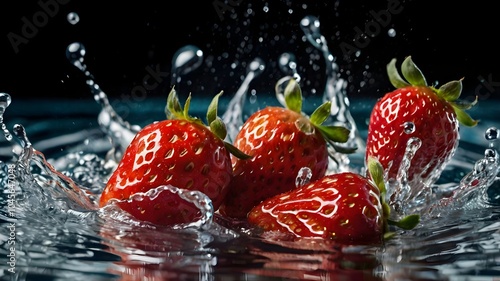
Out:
{"x": 345, "y": 207}
{"x": 180, "y": 151}
{"x": 282, "y": 140}
{"x": 416, "y": 111}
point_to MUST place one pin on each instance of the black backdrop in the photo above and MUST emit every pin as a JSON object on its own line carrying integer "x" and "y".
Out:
{"x": 449, "y": 41}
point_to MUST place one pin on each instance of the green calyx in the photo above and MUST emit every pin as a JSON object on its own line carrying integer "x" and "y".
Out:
{"x": 174, "y": 110}
{"x": 449, "y": 92}
{"x": 332, "y": 134}
{"x": 376, "y": 173}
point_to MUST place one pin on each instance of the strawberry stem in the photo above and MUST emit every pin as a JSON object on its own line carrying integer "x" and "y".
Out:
{"x": 174, "y": 110}
{"x": 450, "y": 92}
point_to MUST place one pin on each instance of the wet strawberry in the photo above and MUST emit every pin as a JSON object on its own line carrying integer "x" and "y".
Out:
{"x": 424, "y": 115}
{"x": 179, "y": 151}
{"x": 281, "y": 141}
{"x": 345, "y": 207}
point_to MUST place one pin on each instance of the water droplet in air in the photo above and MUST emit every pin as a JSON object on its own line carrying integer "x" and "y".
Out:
{"x": 287, "y": 63}
{"x": 75, "y": 54}
{"x": 391, "y": 32}
{"x": 303, "y": 177}
{"x": 490, "y": 154}
{"x": 5, "y": 100}
{"x": 310, "y": 27}
{"x": 491, "y": 134}
{"x": 409, "y": 127}
{"x": 185, "y": 60}
{"x": 73, "y": 18}
{"x": 256, "y": 66}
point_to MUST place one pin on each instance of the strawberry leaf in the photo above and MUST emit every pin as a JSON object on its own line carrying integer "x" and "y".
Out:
{"x": 406, "y": 223}
{"x": 463, "y": 117}
{"x": 293, "y": 96}
{"x": 377, "y": 174}
{"x": 173, "y": 109}
{"x": 465, "y": 105}
{"x": 389, "y": 235}
{"x": 212, "y": 109}
{"x": 218, "y": 127}
{"x": 335, "y": 133}
{"x": 236, "y": 152}
{"x": 321, "y": 113}
{"x": 341, "y": 149}
{"x": 185, "y": 112}
{"x": 450, "y": 91}
{"x": 412, "y": 73}
{"x": 394, "y": 76}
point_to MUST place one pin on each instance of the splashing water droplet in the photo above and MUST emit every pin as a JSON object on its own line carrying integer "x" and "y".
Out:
{"x": 310, "y": 26}
{"x": 335, "y": 92}
{"x": 491, "y": 134}
{"x": 399, "y": 190}
{"x": 75, "y": 53}
{"x": 5, "y": 101}
{"x": 287, "y": 63}
{"x": 303, "y": 176}
{"x": 391, "y": 32}
{"x": 185, "y": 60}
{"x": 409, "y": 127}
{"x": 73, "y": 18}
{"x": 233, "y": 116}
{"x": 120, "y": 132}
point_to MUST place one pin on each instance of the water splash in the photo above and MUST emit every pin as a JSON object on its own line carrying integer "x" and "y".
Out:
{"x": 233, "y": 116}
{"x": 399, "y": 192}
{"x": 121, "y": 132}
{"x": 5, "y": 101}
{"x": 335, "y": 90}
{"x": 472, "y": 191}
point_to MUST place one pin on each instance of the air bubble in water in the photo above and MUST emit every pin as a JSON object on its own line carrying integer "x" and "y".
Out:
{"x": 73, "y": 18}
{"x": 409, "y": 127}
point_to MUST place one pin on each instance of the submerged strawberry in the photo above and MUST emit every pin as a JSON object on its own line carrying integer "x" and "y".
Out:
{"x": 417, "y": 112}
{"x": 345, "y": 207}
{"x": 179, "y": 151}
{"x": 281, "y": 141}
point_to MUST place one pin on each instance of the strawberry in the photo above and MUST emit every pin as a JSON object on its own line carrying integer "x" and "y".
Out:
{"x": 345, "y": 207}
{"x": 179, "y": 151}
{"x": 281, "y": 141}
{"x": 427, "y": 116}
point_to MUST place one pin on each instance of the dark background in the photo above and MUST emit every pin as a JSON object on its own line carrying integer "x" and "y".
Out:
{"x": 449, "y": 41}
